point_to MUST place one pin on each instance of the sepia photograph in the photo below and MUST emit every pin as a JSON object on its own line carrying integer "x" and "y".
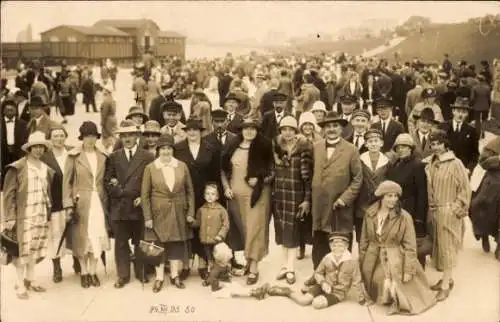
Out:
{"x": 228, "y": 161}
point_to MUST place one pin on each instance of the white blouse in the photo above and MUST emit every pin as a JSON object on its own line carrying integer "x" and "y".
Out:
{"x": 168, "y": 171}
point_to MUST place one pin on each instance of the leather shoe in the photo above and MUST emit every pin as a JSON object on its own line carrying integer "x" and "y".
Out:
{"x": 177, "y": 282}
{"x": 143, "y": 280}
{"x": 94, "y": 281}
{"x": 184, "y": 274}
{"x": 84, "y": 281}
{"x": 121, "y": 282}
{"x": 437, "y": 286}
{"x": 157, "y": 286}
{"x": 485, "y": 242}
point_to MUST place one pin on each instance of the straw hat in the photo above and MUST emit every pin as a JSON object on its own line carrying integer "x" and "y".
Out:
{"x": 136, "y": 110}
{"x": 127, "y": 126}
{"x": 36, "y": 138}
{"x": 152, "y": 126}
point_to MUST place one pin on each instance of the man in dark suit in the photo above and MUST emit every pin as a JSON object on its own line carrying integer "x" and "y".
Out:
{"x": 13, "y": 135}
{"x": 40, "y": 121}
{"x": 224, "y": 83}
{"x": 271, "y": 119}
{"x": 222, "y": 139}
{"x": 230, "y": 104}
{"x": 266, "y": 102}
{"x": 360, "y": 122}
{"x": 348, "y": 104}
{"x": 464, "y": 141}
{"x": 23, "y": 108}
{"x": 390, "y": 128}
{"x": 123, "y": 180}
{"x": 155, "y": 108}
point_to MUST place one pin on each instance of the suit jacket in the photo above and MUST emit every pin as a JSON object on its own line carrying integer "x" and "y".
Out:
{"x": 224, "y": 83}
{"x": 464, "y": 144}
{"x": 24, "y": 113}
{"x": 394, "y": 128}
{"x": 269, "y": 127}
{"x": 337, "y": 177}
{"x": 413, "y": 97}
{"x": 179, "y": 133}
{"x": 352, "y": 138}
{"x": 44, "y": 125}
{"x": 20, "y": 137}
{"x": 155, "y": 110}
{"x": 480, "y": 97}
{"x": 129, "y": 175}
{"x": 421, "y": 152}
{"x": 348, "y": 130}
{"x": 234, "y": 125}
{"x": 266, "y": 102}
{"x": 57, "y": 184}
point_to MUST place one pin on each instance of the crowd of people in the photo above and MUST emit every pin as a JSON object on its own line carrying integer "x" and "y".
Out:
{"x": 334, "y": 149}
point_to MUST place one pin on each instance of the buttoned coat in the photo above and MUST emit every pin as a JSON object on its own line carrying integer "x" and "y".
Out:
{"x": 337, "y": 177}
{"x": 465, "y": 144}
{"x": 129, "y": 175}
{"x": 44, "y": 125}
{"x": 57, "y": 183}
{"x": 213, "y": 221}
{"x": 421, "y": 152}
{"x": 78, "y": 180}
{"x": 167, "y": 208}
{"x": 394, "y": 128}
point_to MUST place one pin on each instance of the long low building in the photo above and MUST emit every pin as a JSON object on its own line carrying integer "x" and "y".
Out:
{"x": 121, "y": 40}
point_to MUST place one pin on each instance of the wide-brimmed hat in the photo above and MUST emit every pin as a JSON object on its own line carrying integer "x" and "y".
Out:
{"x": 289, "y": 121}
{"x": 383, "y": 102}
{"x": 462, "y": 103}
{"x": 427, "y": 114}
{"x": 348, "y": 99}
{"x": 37, "y": 101}
{"x": 8, "y": 101}
{"x": 36, "y": 138}
{"x": 333, "y": 117}
{"x": 361, "y": 113}
{"x": 404, "y": 139}
{"x": 319, "y": 106}
{"x": 88, "y": 128}
{"x": 136, "y": 110}
{"x": 429, "y": 92}
{"x": 128, "y": 126}
{"x": 171, "y": 106}
{"x": 165, "y": 140}
{"x": 231, "y": 97}
{"x": 219, "y": 113}
{"x": 338, "y": 235}
{"x": 193, "y": 124}
{"x": 152, "y": 126}
{"x": 279, "y": 97}
{"x": 250, "y": 122}
{"x": 386, "y": 187}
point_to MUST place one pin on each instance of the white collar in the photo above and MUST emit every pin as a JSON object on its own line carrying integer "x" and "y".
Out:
{"x": 173, "y": 163}
{"x": 362, "y": 134}
{"x": 421, "y": 135}
{"x": 7, "y": 119}
{"x": 134, "y": 149}
{"x": 337, "y": 140}
{"x": 382, "y": 160}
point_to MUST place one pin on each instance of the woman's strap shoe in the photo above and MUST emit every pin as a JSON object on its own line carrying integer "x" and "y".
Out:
{"x": 177, "y": 282}
{"x": 252, "y": 278}
{"x": 35, "y": 288}
{"x": 94, "y": 281}
{"x": 157, "y": 286}
{"x": 443, "y": 295}
{"x": 84, "y": 281}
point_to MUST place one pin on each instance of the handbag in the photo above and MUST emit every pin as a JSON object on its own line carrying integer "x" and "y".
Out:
{"x": 9, "y": 248}
{"x": 148, "y": 251}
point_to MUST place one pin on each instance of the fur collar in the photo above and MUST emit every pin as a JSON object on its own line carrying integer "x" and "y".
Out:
{"x": 382, "y": 160}
{"x": 447, "y": 156}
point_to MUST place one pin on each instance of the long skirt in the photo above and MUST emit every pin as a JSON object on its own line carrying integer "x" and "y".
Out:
{"x": 255, "y": 224}
{"x": 98, "y": 240}
{"x": 68, "y": 105}
{"x": 447, "y": 233}
{"x": 413, "y": 297}
{"x": 32, "y": 235}
{"x": 56, "y": 229}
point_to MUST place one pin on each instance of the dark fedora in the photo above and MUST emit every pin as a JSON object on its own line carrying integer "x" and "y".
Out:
{"x": 461, "y": 103}
{"x": 383, "y": 102}
{"x": 427, "y": 114}
{"x": 250, "y": 122}
{"x": 333, "y": 117}
{"x": 279, "y": 97}
{"x": 231, "y": 97}
{"x": 348, "y": 99}
{"x": 171, "y": 106}
{"x": 37, "y": 101}
{"x": 165, "y": 140}
{"x": 219, "y": 114}
{"x": 10, "y": 102}
{"x": 88, "y": 128}
{"x": 193, "y": 124}
{"x": 136, "y": 110}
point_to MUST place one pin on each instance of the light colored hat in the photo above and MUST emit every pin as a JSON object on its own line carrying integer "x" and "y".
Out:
{"x": 128, "y": 126}
{"x": 404, "y": 139}
{"x": 308, "y": 117}
{"x": 36, "y": 138}
{"x": 152, "y": 126}
{"x": 388, "y": 187}
{"x": 319, "y": 106}
{"x": 289, "y": 121}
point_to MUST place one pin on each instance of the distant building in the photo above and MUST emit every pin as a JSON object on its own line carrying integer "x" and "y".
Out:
{"x": 25, "y": 35}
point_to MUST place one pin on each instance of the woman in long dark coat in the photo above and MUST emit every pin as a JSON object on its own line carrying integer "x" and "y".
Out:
{"x": 388, "y": 255}
{"x": 291, "y": 189}
{"x": 485, "y": 205}
{"x": 167, "y": 199}
{"x": 409, "y": 173}
{"x": 246, "y": 170}
{"x": 198, "y": 155}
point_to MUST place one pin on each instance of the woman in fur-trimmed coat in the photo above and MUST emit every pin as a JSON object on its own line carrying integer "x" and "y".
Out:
{"x": 291, "y": 203}
{"x": 246, "y": 170}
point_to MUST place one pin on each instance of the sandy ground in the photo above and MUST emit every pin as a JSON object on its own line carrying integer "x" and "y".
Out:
{"x": 474, "y": 298}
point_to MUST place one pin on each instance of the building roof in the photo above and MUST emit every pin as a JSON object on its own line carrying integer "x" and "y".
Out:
{"x": 124, "y": 23}
{"x": 93, "y": 31}
{"x": 170, "y": 34}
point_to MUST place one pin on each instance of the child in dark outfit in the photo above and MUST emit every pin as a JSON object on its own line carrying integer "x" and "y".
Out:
{"x": 213, "y": 221}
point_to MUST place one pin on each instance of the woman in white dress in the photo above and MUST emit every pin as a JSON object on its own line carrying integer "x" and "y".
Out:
{"x": 83, "y": 192}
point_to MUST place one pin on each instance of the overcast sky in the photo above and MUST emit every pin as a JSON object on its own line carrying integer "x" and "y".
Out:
{"x": 228, "y": 20}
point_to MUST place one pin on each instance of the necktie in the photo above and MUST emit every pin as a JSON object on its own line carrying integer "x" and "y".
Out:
{"x": 278, "y": 117}
{"x": 383, "y": 127}
{"x": 219, "y": 137}
{"x": 230, "y": 117}
{"x": 358, "y": 138}
{"x": 424, "y": 141}
{"x": 130, "y": 155}
{"x": 171, "y": 131}
{"x": 457, "y": 128}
